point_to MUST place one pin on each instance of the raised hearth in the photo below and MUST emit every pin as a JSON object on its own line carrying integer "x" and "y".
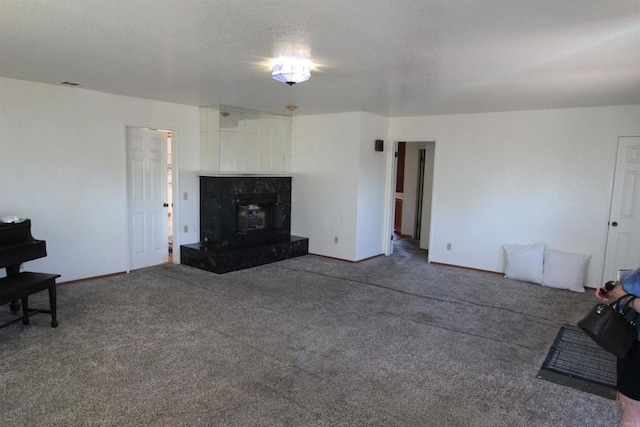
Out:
{"x": 220, "y": 261}
{"x": 245, "y": 221}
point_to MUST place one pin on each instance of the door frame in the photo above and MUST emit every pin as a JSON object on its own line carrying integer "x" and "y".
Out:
{"x": 387, "y": 236}
{"x": 417, "y": 227}
{"x": 614, "y": 182}
{"x": 175, "y": 179}
{"x": 387, "y": 241}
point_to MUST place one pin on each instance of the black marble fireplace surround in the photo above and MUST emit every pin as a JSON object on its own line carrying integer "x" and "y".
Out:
{"x": 245, "y": 221}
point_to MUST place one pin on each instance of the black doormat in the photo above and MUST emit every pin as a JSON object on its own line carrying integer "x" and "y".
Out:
{"x": 575, "y": 361}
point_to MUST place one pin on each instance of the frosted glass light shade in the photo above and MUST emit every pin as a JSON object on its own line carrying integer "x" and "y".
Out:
{"x": 291, "y": 71}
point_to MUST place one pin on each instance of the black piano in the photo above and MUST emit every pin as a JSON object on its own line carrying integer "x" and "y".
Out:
{"x": 17, "y": 246}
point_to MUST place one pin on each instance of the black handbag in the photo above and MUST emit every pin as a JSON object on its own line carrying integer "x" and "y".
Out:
{"x": 608, "y": 327}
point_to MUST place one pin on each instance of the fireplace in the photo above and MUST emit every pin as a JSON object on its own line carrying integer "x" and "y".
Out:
{"x": 239, "y": 212}
{"x": 252, "y": 217}
{"x": 257, "y": 214}
{"x": 244, "y": 221}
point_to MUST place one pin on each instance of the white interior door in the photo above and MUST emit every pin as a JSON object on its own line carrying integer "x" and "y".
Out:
{"x": 623, "y": 243}
{"x": 147, "y": 197}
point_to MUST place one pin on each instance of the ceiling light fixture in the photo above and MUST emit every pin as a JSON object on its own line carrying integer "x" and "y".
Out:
{"x": 291, "y": 70}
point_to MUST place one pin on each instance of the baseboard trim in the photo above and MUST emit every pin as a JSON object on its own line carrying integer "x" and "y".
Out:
{"x": 587, "y": 288}
{"x": 468, "y": 268}
{"x": 104, "y": 276}
{"x": 346, "y": 260}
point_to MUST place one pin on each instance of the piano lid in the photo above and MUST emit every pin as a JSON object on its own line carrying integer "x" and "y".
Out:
{"x": 17, "y": 245}
{"x": 15, "y": 232}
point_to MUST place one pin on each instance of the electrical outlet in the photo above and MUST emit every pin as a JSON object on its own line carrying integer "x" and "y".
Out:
{"x": 335, "y": 239}
{"x": 185, "y": 228}
{"x": 448, "y": 246}
{"x": 185, "y": 196}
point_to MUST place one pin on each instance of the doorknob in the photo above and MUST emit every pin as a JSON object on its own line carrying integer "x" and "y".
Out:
{"x": 166, "y": 205}
{"x": 614, "y": 224}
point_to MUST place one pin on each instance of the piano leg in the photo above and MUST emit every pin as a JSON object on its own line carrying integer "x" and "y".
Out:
{"x": 14, "y": 307}
{"x": 25, "y": 310}
{"x": 13, "y": 270}
{"x": 52, "y": 305}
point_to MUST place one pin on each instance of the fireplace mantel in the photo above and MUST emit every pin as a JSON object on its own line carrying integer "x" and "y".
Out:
{"x": 233, "y": 174}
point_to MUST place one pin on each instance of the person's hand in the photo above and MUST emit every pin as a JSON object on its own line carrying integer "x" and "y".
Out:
{"x": 603, "y": 295}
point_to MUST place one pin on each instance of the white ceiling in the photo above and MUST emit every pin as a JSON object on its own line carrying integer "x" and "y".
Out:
{"x": 389, "y": 57}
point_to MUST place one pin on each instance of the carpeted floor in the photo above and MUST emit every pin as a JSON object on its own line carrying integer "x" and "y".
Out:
{"x": 392, "y": 341}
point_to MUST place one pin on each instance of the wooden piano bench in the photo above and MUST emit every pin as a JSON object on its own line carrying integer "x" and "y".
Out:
{"x": 20, "y": 286}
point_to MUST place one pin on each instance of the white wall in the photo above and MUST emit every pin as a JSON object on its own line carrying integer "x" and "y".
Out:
{"x": 512, "y": 177}
{"x": 520, "y": 177}
{"x": 339, "y": 184}
{"x": 325, "y": 182}
{"x": 371, "y": 186}
{"x": 62, "y": 164}
{"x": 244, "y": 140}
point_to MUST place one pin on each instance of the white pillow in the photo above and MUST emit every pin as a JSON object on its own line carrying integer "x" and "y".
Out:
{"x": 524, "y": 262}
{"x": 565, "y": 270}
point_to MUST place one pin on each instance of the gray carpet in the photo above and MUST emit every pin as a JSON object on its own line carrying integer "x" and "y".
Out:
{"x": 311, "y": 341}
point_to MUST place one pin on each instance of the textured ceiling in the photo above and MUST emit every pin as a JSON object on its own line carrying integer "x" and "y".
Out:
{"x": 389, "y": 57}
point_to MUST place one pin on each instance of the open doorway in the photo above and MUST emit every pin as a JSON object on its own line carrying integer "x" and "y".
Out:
{"x": 149, "y": 197}
{"x": 399, "y": 196}
{"x": 413, "y": 194}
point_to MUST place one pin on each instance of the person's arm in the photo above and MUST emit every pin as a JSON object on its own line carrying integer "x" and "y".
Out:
{"x": 618, "y": 292}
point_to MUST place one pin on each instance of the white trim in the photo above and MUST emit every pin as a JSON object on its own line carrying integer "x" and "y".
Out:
{"x": 125, "y": 196}
{"x": 175, "y": 195}
{"x": 387, "y": 240}
{"x": 241, "y": 174}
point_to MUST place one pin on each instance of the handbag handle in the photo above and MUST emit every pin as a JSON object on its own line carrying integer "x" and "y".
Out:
{"x": 626, "y": 306}
{"x": 612, "y": 305}
{"x": 622, "y": 298}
